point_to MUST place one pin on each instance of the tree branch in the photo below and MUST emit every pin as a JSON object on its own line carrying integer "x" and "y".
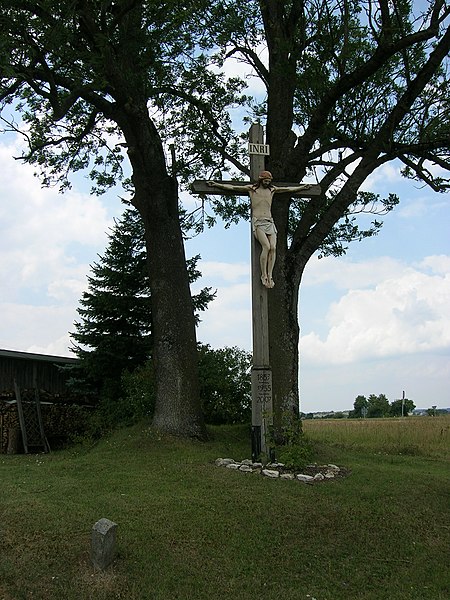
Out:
{"x": 205, "y": 110}
{"x": 425, "y": 175}
{"x": 253, "y": 59}
{"x": 348, "y": 82}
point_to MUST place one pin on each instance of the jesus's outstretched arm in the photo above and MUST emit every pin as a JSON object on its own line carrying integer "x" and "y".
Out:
{"x": 301, "y": 187}
{"x": 229, "y": 186}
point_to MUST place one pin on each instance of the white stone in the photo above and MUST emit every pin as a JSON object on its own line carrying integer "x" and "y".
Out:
{"x": 223, "y": 462}
{"x": 287, "y": 476}
{"x": 305, "y": 478}
{"x": 333, "y": 467}
{"x": 319, "y": 477}
{"x": 257, "y": 465}
{"x": 247, "y": 461}
{"x": 270, "y": 473}
{"x": 233, "y": 466}
{"x": 246, "y": 468}
{"x": 329, "y": 475}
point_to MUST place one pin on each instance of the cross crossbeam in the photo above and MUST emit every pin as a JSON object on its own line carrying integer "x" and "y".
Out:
{"x": 200, "y": 186}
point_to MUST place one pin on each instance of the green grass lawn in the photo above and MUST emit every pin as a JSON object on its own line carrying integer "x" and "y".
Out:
{"x": 190, "y": 530}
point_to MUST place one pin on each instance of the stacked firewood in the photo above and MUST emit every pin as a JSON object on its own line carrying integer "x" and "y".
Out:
{"x": 62, "y": 419}
{"x": 9, "y": 423}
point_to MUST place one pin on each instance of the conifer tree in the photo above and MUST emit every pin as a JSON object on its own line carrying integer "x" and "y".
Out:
{"x": 114, "y": 333}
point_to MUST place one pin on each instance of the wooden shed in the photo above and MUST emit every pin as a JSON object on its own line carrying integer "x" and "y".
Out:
{"x": 29, "y": 384}
{"x": 31, "y": 371}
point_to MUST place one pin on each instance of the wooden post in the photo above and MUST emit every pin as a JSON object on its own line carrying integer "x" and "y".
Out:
{"x": 262, "y": 403}
{"x": 262, "y": 406}
{"x": 21, "y": 417}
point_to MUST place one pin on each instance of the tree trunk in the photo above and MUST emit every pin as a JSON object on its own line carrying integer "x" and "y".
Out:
{"x": 177, "y": 408}
{"x": 177, "y": 404}
{"x": 284, "y": 332}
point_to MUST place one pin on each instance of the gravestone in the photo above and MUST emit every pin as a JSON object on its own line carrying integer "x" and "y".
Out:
{"x": 103, "y": 543}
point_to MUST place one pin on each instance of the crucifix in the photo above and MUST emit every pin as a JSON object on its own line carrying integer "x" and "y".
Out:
{"x": 261, "y": 191}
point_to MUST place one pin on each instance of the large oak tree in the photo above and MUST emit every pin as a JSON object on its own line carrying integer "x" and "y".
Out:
{"x": 350, "y": 85}
{"x": 89, "y": 79}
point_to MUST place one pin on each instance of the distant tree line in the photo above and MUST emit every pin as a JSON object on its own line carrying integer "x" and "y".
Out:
{"x": 372, "y": 407}
{"x": 379, "y": 406}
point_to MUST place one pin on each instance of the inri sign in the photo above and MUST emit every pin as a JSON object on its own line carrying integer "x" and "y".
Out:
{"x": 258, "y": 149}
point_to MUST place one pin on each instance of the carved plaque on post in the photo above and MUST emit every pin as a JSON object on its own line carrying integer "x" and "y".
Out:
{"x": 262, "y": 385}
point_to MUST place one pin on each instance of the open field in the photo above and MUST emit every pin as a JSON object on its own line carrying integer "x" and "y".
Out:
{"x": 416, "y": 436}
{"x": 189, "y": 530}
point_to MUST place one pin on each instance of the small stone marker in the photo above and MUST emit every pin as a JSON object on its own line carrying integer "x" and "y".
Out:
{"x": 103, "y": 543}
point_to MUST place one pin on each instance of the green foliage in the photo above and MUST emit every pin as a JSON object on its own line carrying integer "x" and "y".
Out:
{"x": 338, "y": 415}
{"x": 68, "y": 65}
{"x": 356, "y": 82}
{"x": 225, "y": 390}
{"x": 139, "y": 395}
{"x": 401, "y": 407}
{"x": 225, "y": 386}
{"x": 113, "y": 336}
{"x": 359, "y": 408}
{"x": 296, "y": 454}
{"x": 136, "y": 400}
{"x": 290, "y": 444}
{"x": 379, "y": 406}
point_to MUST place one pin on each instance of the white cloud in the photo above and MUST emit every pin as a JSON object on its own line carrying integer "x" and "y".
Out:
{"x": 399, "y": 315}
{"x": 31, "y": 328}
{"x": 346, "y": 274}
{"x": 57, "y": 347}
{"x": 421, "y": 206}
{"x": 388, "y": 173}
{"x": 229, "y": 272}
{"x": 47, "y": 239}
{"x": 227, "y": 322}
{"x": 423, "y": 377}
{"x": 436, "y": 264}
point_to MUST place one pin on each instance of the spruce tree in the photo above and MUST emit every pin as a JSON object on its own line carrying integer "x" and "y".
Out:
{"x": 114, "y": 333}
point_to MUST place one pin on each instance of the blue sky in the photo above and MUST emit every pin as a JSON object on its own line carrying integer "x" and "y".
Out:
{"x": 375, "y": 321}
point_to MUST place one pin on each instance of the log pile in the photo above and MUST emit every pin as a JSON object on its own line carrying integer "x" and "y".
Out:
{"x": 10, "y": 435}
{"x": 62, "y": 419}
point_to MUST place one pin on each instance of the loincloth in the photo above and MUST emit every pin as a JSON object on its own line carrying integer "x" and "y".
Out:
{"x": 266, "y": 225}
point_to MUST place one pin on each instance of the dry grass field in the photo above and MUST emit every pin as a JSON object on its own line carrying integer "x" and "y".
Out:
{"x": 417, "y": 436}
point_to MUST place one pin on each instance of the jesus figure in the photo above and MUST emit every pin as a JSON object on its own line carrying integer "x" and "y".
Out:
{"x": 261, "y": 195}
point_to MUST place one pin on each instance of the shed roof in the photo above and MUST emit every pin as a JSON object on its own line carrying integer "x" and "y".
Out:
{"x": 33, "y": 356}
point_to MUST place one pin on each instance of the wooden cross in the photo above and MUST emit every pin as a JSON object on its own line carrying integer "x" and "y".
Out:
{"x": 262, "y": 403}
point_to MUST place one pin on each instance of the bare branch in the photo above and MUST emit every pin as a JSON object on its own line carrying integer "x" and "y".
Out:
{"x": 206, "y": 111}
{"x": 345, "y": 84}
{"x": 253, "y": 59}
{"x": 425, "y": 175}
